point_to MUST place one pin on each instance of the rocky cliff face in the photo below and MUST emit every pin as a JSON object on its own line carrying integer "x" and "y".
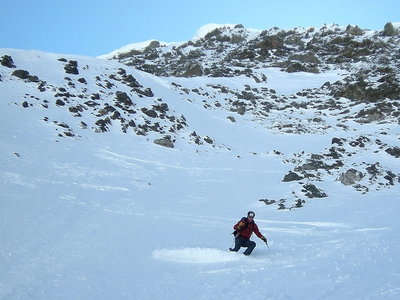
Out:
{"x": 371, "y": 59}
{"x": 230, "y": 51}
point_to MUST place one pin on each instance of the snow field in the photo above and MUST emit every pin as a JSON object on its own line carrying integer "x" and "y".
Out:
{"x": 114, "y": 216}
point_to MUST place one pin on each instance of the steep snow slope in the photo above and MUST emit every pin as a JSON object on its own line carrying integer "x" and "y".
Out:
{"x": 112, "y": 215}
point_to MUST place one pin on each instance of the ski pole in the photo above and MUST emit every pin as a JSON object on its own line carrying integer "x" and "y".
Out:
{"x": 266, "y": 243}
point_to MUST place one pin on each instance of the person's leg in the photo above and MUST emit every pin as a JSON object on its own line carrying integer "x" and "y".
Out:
{"x": 250, "y": 247}
{"x": 238, "y": 243}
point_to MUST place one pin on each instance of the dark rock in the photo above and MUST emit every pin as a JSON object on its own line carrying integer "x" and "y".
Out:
{"x": 123, "y": 98}
{"x": 163, "y": 107}
{"x": 71, "y": 67}
{"x": 394, "y": 151}
{"x": 165, "y": 142}
{"x": 149, "y": 112}
{"x": 350, "y": 177}
{"x": 91, "y": 103}
{"x": 116, "y": 115}
{"x": 305, "y": 58}
{"x": 196, "y": 138}
{"x": 7, "y": 61}
{"x": 75, "y": 109}
{"x": 60, "y": 102}
{"x": 107, "y": 109}
{"x": 390, "y": 177}
{"x": 338, "y": 141}
{"x": 33, "y": 78}
{"x": 152, "y": 45}
{"x": 131, "y": 81}
{"x": 267, "y": 201}
{"x": 146, "y": 92}
{"x": 389, "y": 30}
{"x": 311, "y": 191}
{"x": 193, "y": 70}
{"x": 103, "y": 124}
{"x": 22, "y": 74}
{"x": 292, "y": 176}
{"x": 281, "y": 206}
{"x": 208, "y": 140}
{"x": 41, "y": 87}
{"x": 95, "y": 96}
{"x": 354, "y": 30}
{"x": 373, "y": 170}
{"x": 298, "y": 67}
{"x": 361, "y": 91}
{"x": 269, "y": 43}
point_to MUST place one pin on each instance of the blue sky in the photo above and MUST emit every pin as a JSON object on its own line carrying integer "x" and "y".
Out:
{"x": 96, "y": 27}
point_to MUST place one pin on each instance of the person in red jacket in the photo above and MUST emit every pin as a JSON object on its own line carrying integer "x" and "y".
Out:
{"x": 243, "y": 231}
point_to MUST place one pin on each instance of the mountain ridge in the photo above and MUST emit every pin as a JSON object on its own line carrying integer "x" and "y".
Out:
{"x": 230, "y": 49}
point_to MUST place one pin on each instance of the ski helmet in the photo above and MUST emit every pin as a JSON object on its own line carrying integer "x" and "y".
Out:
{"x": 251, "y": 214}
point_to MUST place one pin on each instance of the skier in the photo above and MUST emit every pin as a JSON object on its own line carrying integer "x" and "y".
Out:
{"x": 243, "y": 231}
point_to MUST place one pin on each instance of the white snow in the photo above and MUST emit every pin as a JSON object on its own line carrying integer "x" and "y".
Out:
{"x": 114, "y": 216}
{"x": 207, "y": 28}
{"x": 290, "y": 83}
{"x": 195, "y": 255}
{"x": 133, "y": 46}
{"x": 140, "y": 46}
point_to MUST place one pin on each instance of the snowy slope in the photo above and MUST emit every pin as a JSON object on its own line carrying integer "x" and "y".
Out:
{"x": 112, "y": 215}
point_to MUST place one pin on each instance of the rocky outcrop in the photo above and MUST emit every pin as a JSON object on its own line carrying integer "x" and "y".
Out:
{"x": 7, "y": 61}
{"x": 228, "y": 50}
{"x": 350, "y": 177}
{"x": 71, "y": 67}
{"x": 165, "y": 142}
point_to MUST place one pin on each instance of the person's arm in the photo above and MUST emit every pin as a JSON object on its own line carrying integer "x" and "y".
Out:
{"x": 258, "y": 233}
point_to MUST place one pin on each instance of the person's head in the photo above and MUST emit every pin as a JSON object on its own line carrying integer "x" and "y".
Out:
{"x": 251, "y": 215}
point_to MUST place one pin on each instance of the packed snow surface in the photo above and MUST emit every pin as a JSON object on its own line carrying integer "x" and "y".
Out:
{"x": 115, "y": 216}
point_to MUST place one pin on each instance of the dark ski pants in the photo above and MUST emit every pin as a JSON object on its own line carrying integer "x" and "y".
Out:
{"x": 242, "y": 242}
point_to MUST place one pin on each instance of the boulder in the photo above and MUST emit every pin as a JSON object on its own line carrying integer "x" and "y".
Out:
{"x": 193, "y": 70}
{"x": 311, "y": 191}
{"x": 22, "y": 74}
{"x": 389, "y": 30}
{"x": 165, "y": 142}
{"x": 394, "y": 151}
{"x": 292, "y": 176}
{"x": 123, "y": 98}
{"x": 350, "y": 177}
{"x": 71, "y": 67}
{"x": 7, "y": 61}
{"x": 149, "y": 112}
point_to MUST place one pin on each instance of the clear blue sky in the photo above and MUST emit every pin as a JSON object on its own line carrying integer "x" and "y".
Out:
{"x": 95, "y": 27}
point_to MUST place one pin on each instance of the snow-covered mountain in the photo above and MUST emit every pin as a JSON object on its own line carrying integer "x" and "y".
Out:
{"x": 121, "y": 178}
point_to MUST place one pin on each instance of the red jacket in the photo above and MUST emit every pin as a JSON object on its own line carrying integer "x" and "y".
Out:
{"x": 245, "y": 228}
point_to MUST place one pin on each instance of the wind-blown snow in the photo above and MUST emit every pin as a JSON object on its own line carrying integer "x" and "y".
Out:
{"x": 207, "y": 28}
{"x": 114, "y": 216}
{"x": 196, "y": 255}
{"x": 140, "y": 46}
{"x": 203, "y": 30}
